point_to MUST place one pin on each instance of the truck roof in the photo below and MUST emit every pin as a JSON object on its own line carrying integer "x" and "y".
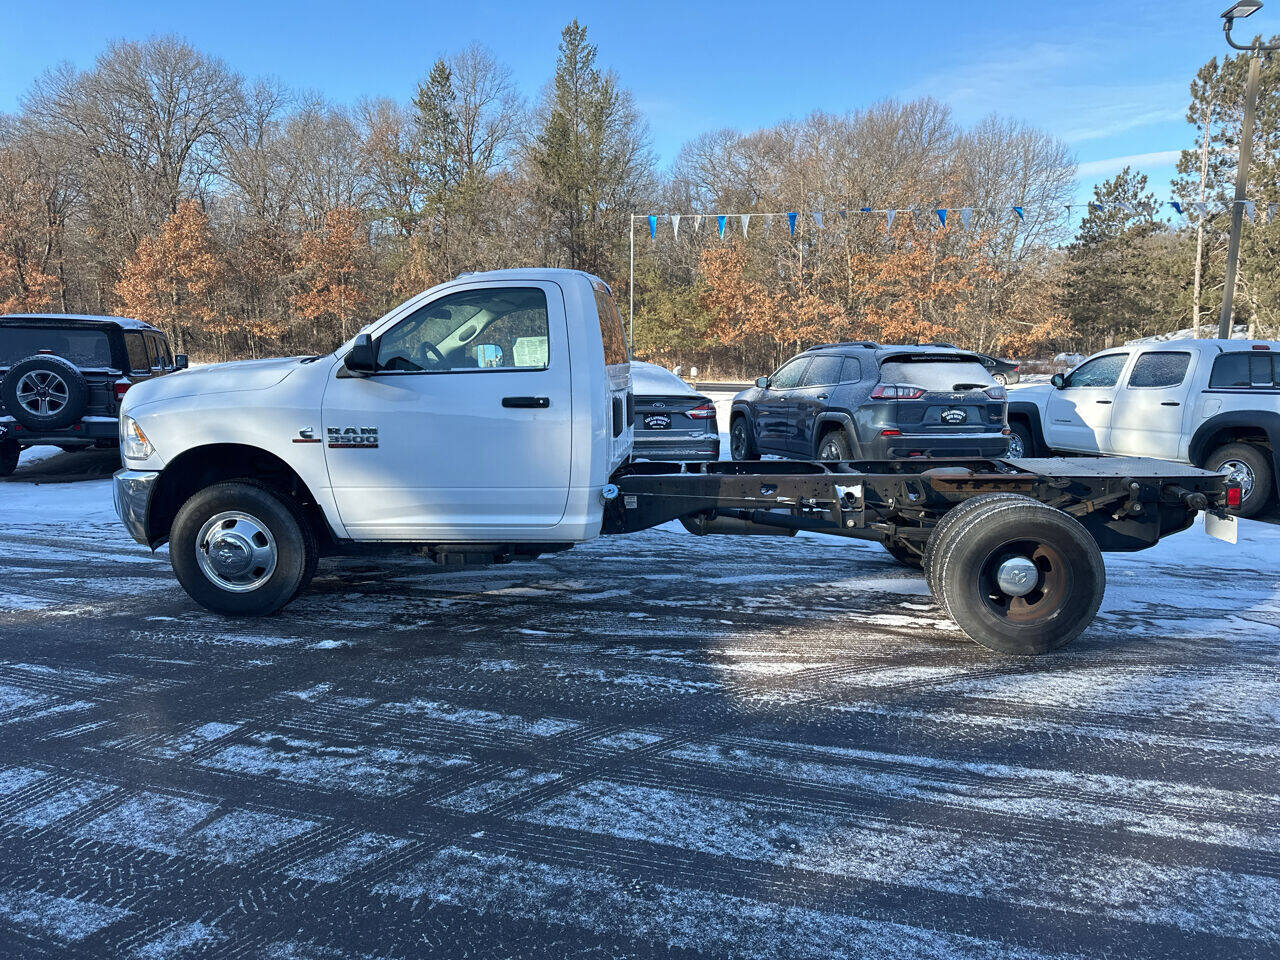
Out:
{"x": 551, "y": 274}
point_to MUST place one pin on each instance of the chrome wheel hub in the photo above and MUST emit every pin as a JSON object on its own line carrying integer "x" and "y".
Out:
{"x": 1015, "y": 446}
{"x": 1241, "y": 473}
{"x": 1017, "y": 576}
{"x": 42, "y": 392}
{"x": 236, "y": 551}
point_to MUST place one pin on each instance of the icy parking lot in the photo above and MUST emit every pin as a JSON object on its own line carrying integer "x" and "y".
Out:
{"x": 653, "y": 745}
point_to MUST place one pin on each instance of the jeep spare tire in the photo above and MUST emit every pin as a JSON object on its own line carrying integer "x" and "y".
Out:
{"x": 44, "y": 393}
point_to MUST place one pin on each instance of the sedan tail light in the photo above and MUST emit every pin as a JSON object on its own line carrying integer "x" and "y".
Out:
{"x": 896, "y": 391}
{"x": 704, "y": 412}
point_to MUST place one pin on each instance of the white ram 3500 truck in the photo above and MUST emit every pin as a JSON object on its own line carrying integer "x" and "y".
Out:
{"x": 489, "y": 419}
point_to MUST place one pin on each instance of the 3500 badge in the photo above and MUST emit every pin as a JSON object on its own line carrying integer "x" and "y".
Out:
{"x": 364, "y": 438}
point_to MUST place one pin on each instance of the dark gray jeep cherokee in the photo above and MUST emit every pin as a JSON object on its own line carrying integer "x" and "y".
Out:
{"x": 865, "y": 401}
{"x": 62, "y": 377}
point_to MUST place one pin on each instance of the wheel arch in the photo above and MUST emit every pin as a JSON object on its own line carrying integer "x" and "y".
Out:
{"x": 1238, "y": 426}
{"x": 830, "y": 420}
{"x": 202, "y": 466}
{"x": 1024, "y": 411}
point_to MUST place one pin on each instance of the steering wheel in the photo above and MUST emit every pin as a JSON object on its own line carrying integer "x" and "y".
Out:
{"x": 425, "y": 351}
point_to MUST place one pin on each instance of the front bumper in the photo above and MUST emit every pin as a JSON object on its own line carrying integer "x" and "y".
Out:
{"x": 973, "y": 445}
{"x": 132, "y": 491}
{"x": 705, "y": 447}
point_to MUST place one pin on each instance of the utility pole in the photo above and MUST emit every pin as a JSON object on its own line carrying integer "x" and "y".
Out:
{"x": 1255, "y": 50}
{"x": 631, "y": 291}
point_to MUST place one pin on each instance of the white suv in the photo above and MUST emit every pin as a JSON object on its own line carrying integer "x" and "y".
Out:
{"x": 1211, "y": 403}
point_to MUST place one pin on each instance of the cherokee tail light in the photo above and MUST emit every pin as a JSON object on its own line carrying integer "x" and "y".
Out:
{"x": 704, "y": 412}
{"x": 896, "y": 391}
{"x": 121, "y": 387}
{"x": 996, "y": 393}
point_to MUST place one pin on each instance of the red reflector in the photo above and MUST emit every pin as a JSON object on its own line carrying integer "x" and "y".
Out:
{"x": 704, "y": 412}
{"x": 890, "y": 433}
{"x": 50, "y": 351}
{"x": 121, "y": 387}
{"x": 1233, "y": 496}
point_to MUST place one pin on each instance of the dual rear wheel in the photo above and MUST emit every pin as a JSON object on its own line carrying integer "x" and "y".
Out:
{"x": 1017, "y": 576}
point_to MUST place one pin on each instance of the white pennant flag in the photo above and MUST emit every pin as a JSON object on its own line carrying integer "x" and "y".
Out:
{"x": 697, "y": 222}
{"x": 745, "y": 218}
{"x": 768, "y": 222}
{"x": 888, "y": 225}
{"x": 1271, "y": 212}
{"x": 965, "y": 214}
{"x": 675, "y": 226}
{"x": 1201, "y": 208}
{"x": 1248, "y": 209}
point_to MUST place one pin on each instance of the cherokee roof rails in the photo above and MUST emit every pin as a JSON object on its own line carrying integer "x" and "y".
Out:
{"x": 842, "y": 343}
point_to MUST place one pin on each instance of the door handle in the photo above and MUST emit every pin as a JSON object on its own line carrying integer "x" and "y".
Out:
{"x": 533, "y": 403}
{"x": 1170, "y": 403}
{"x": 1102, "y": 401}
{"x": 823, "y": 396}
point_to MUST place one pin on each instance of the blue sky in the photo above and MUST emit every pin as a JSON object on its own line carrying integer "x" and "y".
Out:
{"x": 1108, "y": 78}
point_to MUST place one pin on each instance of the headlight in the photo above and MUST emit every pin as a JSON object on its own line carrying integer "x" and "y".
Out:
{"x": 133, "y": 442}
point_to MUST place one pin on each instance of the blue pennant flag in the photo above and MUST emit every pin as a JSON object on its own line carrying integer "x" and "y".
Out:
{"x": 720, "y": 225}
{"x": 653, "y": 226}
{"x": 1018, "y": 211}
{"x": 791, "y": 222}
{"x": 942, "y": 216}
{"x": 866, "y": 209}
{"x": 1177, "y": 207}
{"x": 844, "y": 214}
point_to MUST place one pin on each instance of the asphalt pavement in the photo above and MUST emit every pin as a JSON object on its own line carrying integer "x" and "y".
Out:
{"x": 656, "y": 745}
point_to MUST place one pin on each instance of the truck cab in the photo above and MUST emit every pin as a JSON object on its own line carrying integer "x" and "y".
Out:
{"x": 479, "y": 420}
{"x": 1211, "y": 403}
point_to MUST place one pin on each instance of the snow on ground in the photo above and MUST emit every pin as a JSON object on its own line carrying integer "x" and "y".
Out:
{"x": 740, "y": 747}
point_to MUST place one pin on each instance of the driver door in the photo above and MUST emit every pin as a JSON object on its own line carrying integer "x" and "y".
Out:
{"x": 1078, "y": 414}
{"x": 465, "y": 432}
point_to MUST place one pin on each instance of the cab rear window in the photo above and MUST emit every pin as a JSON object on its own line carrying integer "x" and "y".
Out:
{"x": 1244, "y": 370}
{"x": 84, "y": 348}
{"x": 611, "y": 332}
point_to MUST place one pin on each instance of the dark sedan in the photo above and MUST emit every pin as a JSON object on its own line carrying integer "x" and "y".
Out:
{"x": 672, "y": 421}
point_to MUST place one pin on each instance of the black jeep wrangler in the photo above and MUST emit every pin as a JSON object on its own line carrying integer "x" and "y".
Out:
{"x": 62, "y": 377}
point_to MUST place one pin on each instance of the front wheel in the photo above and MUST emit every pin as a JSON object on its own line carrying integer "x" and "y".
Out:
{"x": 742, "y": 443}
{"x": 1246, "y": 465}
{"x": 1017, "y": 576}
{"x": 1020, "y": 442}
{"x": 241, "y": 549}
{"x": 9, "y": 453}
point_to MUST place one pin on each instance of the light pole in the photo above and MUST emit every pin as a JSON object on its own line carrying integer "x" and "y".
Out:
{"x": 1240, "y": 10}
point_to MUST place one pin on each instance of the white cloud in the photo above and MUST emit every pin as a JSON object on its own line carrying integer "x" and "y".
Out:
{"x": 1113, "y": 165}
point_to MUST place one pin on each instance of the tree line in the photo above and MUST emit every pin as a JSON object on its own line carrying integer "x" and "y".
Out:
{"x": 247, "y": 219}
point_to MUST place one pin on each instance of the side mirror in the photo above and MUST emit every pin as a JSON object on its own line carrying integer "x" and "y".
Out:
{"x": 762, "y": 383}
{"x": 180, "y": 361}
{"x": 361, "y": 359}
{"x": 1058, "y": 381}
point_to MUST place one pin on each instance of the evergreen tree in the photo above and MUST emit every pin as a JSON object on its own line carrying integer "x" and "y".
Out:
{"x": 1116, "y": 288}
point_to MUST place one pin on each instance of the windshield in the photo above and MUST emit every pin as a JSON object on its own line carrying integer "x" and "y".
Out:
{"x": 84, "y": 348}
{"x": 935, "y": 375}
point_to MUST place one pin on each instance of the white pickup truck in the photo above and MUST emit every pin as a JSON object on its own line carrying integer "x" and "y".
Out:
{"x": 489, "y": 420}
{"x": 1211, "y": 403}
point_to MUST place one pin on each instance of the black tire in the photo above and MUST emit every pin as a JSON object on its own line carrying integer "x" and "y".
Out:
{"x": 904, "y": 554}
{"x": 1251, "y": 467}
{"x": 275, "y": 514}
{"x": 60, "y": 389}
{"x": 835, "y": 446}
{"x": 9, "y": 453}
{"x": 1020, "y": 433}
{"x": 1064, "y": 560}
{"x": 950, "y": 520}
{"x": 742, "y": 440}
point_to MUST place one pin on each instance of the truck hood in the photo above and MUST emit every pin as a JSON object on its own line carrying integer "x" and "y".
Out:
{"x": 236, "y": 376}
{"x": 1036, "y": 393}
